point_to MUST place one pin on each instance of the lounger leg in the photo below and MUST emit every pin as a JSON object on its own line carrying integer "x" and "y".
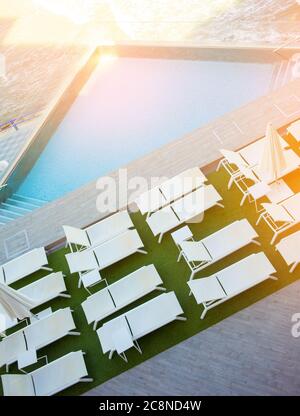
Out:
{"x": 256, "y": 242}
{"x": 137, "y": 346}
{"x": 243, "y": 200}
{"x": 79, "y": 282}
{"x": 48, "y": 269}
{"x": 181, "y": 318}
{"x": 219, "y": 165}
{"x": 95, "y": 325}
{"x": 203, "y": 314}
{"x": 274, "y": 238}
{"x": 230, "y": 182}
{"x": 74, "y": 333}
{"x": 220, "y": 205}
{"x": 179, "y": 257}
{"x": 142, "y": 251}
{"x": 123, "y": 356}
{"x": 162, "y": 289}
{"x": 258, "y": 220}
{"x": 293, "y": 267}
{"x": 111, "y": 353}
{"x": 192, "y": 274}
{"x": 65, "y": 295}
{"x": 160, "y": 238}
{"x": 87, "y": 380}
{"x": 273, "y": 277}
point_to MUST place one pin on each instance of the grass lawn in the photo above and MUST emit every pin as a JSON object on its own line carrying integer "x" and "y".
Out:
{"x": 174, "y": 276}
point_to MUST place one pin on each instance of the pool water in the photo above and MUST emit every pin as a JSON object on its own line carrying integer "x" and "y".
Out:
{"x": 130, "y": 107}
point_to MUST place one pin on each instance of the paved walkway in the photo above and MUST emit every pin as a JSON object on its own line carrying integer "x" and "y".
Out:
{"x": 249, "y": 353}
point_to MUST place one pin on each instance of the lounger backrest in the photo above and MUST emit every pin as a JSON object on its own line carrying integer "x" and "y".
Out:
{"x": 59, "y": 374}
{"x": 248, "y": 173}
{"x": 81, "y": 261}
{"x": 12, "y": 346}
{"x": 98, "y": 305}
{"x": 17, "y": 385}
{"x": 76, "y": 236}
{"x": 49, "y": 329}
{"x": 233, "y": 157}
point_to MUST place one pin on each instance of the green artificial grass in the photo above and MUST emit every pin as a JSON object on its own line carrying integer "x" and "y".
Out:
{"x": 174, "y": 276}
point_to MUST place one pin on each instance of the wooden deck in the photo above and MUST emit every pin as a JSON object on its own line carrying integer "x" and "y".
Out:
{"x": 200, "y": 148}
{"x": 250, "y": 353}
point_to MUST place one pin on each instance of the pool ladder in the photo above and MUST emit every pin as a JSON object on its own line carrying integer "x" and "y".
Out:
{"x": 17, "y": 206}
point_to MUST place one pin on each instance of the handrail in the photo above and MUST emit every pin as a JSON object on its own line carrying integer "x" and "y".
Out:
{"x": 3, "y": 186}
{"x": 14, "y": 122}
{"x": 283, "y": 45}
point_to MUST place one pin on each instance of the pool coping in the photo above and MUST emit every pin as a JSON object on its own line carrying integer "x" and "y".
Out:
{"x": 174, "y": 165}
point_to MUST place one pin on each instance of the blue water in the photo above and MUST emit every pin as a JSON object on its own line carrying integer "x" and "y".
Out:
{"x": 130, "y": 107}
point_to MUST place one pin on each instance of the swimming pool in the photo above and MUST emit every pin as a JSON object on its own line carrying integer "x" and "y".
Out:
{"x": 130, "y": 107}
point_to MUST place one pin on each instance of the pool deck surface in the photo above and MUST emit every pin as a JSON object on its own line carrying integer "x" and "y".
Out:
{"x": 250, "y": 353}
{"x": 200, "y": 148}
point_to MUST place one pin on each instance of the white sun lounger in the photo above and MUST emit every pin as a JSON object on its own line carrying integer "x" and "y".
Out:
{"x": 24, "y": 265}
{"x": 294, "y": 130}
{"x": 45, "y": 289}
{"x": 49, "y": 379}
{"x": 37, "y": 335}
{"x": 200, "y": 254}
{"x": 183, "y": 210}
{"x": 250, "y": 156}
{"x": 11, "y": 347}
{"x": 280, "y": 217}
{"x": 253, "y": 153}
{"x": 141, "y": 321}
{"x": 41, "y": 291}
{"x": 121, "y": 293}
{"x": 218, "y": 288}
{"x": 289, "y": 248}
{"x": 107, "y": 253}
{"x": 100, "y": 232}
{"x": 170, "y": 190}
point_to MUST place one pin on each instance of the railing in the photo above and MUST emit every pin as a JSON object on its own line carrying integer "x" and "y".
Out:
{"x": 285, "y": 44}
{"x": 13, "y": 123}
